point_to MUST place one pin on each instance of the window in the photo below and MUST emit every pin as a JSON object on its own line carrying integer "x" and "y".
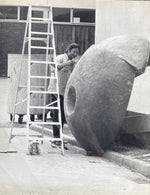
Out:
{"x": 61, "y": 14}
{"x": 8, "y": 12}
{"x": 37, "y": 14}
{"x": 84, "y": 15}
{"x": 23, "y": 13}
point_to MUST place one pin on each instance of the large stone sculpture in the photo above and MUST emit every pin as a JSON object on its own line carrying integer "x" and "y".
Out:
{"x": 99, "y": 89}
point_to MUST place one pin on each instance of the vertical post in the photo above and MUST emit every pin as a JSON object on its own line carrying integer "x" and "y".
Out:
{"x": 29, "y": 71}
{"x": 57, "y": 87}
{"x": 71, "y": 15}
{"x": 46, "y": 66}
{"x": 18, "y": 13}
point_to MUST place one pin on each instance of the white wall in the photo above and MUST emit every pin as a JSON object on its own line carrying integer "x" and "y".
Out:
{"x": 140, "y": 96}
{"x": 55, "y": 3}
{"x": 127, "y": 17}
{"x": 122, "y": 17}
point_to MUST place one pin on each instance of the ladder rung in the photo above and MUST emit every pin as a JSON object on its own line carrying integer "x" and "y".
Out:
{"x": 39, "y": 22}
{"x": 38, "y": 47}
{"x": 41, "y": 19}
{"x": 41, "y": 62}
{"x": 25, "y": 86}
{"x": 44, "y": 107}
{"x": 37, "y": 39}
{"x": 44, "y": 123}
{"x": 39, "y": 8}
{"x": 22, "y": 86}
{"x": 44, "y": 92}
{"x": 40, "y": 33}
{"x": 54, "y": 102}
{"x": 43, "y": 77}
{"x": 21, "y": 135}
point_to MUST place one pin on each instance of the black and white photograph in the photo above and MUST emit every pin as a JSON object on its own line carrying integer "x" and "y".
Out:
{"x": 75, "y": 97}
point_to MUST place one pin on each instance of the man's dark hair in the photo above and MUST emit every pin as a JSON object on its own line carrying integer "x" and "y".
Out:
{"x": 72, "y": 46}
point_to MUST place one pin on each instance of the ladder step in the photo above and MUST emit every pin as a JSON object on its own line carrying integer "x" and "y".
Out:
{"x": 44, "y": 92}
{"x": 41, "y": 33}
{"x": 54, "y": 102}
{"x": 44, "y": 123}
{"x": 39, "y": 22}
{"x": 44, "y": 107}
{"x": 25, "y": 86}
{"x": 22, "y": 86}
{"x": 37, "y": 39}
{"x": 21, "y": 135}
{"x": 41, "y": 62}
{"x": 41, "y": 19}
{"x": 38, "y": 47}
{"x": 43, "y": 77}
{"x": 39, "y": 8}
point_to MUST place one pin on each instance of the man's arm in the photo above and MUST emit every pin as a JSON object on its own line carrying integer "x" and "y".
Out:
{"x": 63, "y": 65}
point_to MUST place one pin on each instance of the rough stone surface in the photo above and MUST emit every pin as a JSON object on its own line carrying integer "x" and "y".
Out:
{"x": 98, "y": 92}
{"x": 132, "y": 49}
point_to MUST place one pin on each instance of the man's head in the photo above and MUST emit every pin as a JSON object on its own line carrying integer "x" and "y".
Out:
{"x": 72, "y": 50}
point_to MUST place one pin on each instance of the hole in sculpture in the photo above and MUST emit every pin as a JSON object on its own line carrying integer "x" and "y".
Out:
{"x": 71, "y": 99}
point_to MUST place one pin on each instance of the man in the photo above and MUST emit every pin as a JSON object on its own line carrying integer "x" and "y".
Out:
{"x": 65, "y": 64}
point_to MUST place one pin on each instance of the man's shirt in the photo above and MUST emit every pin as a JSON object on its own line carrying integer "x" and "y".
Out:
{"x": 63, "y": 73}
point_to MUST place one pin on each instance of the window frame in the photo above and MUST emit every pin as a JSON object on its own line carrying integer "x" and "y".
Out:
{"x": 55, "y": 22}
{"x": 85, "y": 10}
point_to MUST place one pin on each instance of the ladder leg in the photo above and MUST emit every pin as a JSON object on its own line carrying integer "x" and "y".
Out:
{"x": 46, "y": 74}
{"x": 12, "y": 125}
{"x": 57, "y": 88}
{"x": 18, "y": 82}
{"x": 29, "y": 72}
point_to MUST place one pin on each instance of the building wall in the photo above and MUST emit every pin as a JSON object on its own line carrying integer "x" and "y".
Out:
{"x": 127, "y": 17}
{"x": 122, "y": 17}
{"x": 55, "y": 3}
{"x": 12, "y": 35}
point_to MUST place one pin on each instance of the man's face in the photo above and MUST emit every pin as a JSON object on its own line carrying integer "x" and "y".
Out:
{"x": 73, "y": 53}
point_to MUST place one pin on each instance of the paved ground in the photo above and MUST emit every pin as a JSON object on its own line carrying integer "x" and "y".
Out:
{"x": 51, "y": 173}
{"x": 142, "y": 154}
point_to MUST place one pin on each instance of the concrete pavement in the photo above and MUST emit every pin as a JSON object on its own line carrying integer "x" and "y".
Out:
{"x": 73, "y": 173}
{"x": 133, "y": 158}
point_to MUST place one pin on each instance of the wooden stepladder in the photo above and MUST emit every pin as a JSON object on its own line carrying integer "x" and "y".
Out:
{"x": 39, "y": 35}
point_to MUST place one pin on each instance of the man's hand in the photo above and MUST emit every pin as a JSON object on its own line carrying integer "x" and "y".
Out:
{"x": 72, "y": 62}
{"x": 63, "y": 65}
